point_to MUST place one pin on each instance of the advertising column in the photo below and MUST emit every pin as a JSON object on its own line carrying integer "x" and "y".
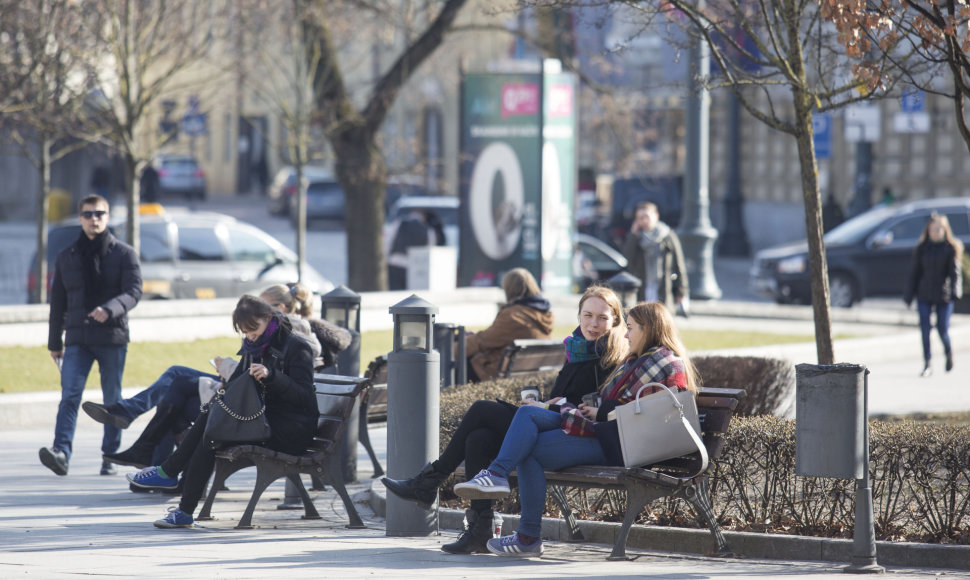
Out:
{"x": 558, "y": 179}
{"x": 500, "y": 174}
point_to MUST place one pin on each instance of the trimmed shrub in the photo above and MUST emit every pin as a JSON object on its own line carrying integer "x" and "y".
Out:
{"x": 769, "y": 382}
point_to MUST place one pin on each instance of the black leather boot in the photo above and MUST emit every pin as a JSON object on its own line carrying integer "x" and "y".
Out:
{"x": 475, "y": 536}
{"x": 949, "y": 361}
{"x": 140, "y": 453}
{"x": 422, "y": 489}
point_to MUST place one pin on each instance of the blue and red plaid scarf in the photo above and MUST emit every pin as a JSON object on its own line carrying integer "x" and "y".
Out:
{"x": 657, "y": 365}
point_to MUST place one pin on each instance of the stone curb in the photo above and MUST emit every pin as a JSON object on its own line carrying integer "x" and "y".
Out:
{"x": 744, "y": 544}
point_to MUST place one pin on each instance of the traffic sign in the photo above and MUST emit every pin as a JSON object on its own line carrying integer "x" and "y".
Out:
{"x": 822, "y": 135}
{"x": 862, "y": 123}
{"x": 194, "y": 125}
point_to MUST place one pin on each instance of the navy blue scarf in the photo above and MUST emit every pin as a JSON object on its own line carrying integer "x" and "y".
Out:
{"x": 258, "y": 347}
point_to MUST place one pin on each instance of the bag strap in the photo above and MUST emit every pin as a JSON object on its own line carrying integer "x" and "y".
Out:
{"x": 695, "y": 437}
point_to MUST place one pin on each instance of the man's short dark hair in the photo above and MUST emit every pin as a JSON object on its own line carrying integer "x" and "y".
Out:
{"x": 648, "y": 205}
{"x": 93, "y": 199}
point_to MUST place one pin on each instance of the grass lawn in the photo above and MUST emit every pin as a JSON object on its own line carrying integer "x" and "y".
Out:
{"x": 27, "y": 369}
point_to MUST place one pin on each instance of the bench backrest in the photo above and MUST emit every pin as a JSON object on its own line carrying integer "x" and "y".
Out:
{"x": 715, "y": 408}
{"x": 531, "y": 355}
{"x": 377, "y": 395}
{"x": 337, "y": 396}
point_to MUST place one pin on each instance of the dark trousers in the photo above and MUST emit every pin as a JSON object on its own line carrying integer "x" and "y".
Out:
{"x": 197, "y": 461}
{"x": 477, "y": 442}
{"x": 943, "y": 311}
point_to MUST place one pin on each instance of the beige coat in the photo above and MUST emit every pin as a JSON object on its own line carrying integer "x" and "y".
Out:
{"x": 484, "y": 348}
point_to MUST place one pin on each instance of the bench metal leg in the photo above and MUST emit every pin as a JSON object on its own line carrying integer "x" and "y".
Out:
{"x": 222, "y": 472}
{"x": 363, "y": 435}
{"x": 309, "y": 510}
{"x": 334, "y": 476}
{"x": 558, "y": 493}
{"x": 636, "y": 499}
{"x": 266, "y": 474}
{"x": 699, "y": 496}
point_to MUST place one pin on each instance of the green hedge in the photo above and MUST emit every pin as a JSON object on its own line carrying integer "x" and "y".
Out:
{"x": 920, "y": 472}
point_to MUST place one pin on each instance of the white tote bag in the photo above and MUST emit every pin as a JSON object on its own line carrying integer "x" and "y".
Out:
{"x": 659, "y": 426}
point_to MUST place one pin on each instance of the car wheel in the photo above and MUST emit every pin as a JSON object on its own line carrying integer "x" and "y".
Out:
{"x": 842, "y": 292}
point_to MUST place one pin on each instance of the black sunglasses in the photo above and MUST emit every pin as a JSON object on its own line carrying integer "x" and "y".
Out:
{"x": 93, "y": 214}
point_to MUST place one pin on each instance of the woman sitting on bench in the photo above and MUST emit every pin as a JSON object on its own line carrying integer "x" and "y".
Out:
{"x": 539, "y": 439}
{"x": 283, "y": 365}
{"x": 592, "y": 352}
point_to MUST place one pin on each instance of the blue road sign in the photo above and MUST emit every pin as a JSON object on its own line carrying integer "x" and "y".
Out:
{"x": 913, "y": 101}
{"x": 822, "y": 135}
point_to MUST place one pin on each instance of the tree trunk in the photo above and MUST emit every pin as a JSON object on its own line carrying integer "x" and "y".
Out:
{"x": 813, "y": 229}
{"x": 132, "y": 227}
{"x": 39, "y": 296}
{"x": 361, "y": 171}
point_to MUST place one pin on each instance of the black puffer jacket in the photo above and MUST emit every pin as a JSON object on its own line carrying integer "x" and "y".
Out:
{"x": 291, "y": 405}
{"x": 579, "y": 378}
{"x": 121, "y": 280}
{"x": 935, "y": 275}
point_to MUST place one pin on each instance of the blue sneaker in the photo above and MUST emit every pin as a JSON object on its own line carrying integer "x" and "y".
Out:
{"x": 176, "y": 518}
{"x": 513, "y": 547}
{"x": 149, "y": 478}
{"x": 485, "y": 485}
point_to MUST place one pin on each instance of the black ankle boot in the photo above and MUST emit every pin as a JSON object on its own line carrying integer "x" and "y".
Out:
{"x": 140, "y": 453}
{"x": 422, "y": 489}
{"x": 949, "y": 361}
{"x": 475, "y": 536}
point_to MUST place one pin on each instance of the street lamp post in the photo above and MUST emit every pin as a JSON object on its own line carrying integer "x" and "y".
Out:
{"x": 696, "y": 234}
{"x": 412, "y": 410}
{"x": 341, "y": 307}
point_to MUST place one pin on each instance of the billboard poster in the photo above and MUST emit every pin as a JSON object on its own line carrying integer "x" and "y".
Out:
{"x": 559, "y": 174}
{"x": 500, "y": 174}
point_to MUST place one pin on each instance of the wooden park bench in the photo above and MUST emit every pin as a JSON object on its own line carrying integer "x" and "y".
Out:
{"x": 337, "y": 397}
{"x": 673, "y": 478}
{"x": 531, "y": 355}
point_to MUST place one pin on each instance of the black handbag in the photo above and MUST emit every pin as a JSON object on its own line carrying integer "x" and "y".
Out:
{"x": 237, "y": 414}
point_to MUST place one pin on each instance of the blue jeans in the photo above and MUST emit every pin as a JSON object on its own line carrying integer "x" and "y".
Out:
{"x": 943, "y": 312}
{"x": 148, "y": 398}
{"x": 535, "y": 443}
{"x": 76, "y": 366}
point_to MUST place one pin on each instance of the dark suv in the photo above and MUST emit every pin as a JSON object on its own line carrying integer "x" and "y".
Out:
{"x": 869, "y": 255}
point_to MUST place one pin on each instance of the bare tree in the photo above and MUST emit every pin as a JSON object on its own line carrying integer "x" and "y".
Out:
{"x": 783, "y": 64}
{"x": 142, "y": 47}
{"x": 353, "y": 130}
{"x": 935, "y": 31}
{"x": 45, "y": 105}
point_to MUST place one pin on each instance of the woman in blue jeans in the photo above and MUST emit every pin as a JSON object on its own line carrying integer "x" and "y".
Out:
{"x": 936, "y": 282}
{"x": 541, "y": 439}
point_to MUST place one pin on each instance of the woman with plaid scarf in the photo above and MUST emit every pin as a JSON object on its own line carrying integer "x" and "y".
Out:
{"x": 541, "y": 439}
{"x": 593, "y": 351}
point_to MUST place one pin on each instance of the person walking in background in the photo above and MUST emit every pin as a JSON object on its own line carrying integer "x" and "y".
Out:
{"x": 593, "y": 350}
{"x": 149, "y": 184}
{"x": 96, "y": 281}
{"x": 525, "y": 314}
{"x": 935, "y": 280}
{"x": 655, "y": 257}
{"x": 413, "y": 231}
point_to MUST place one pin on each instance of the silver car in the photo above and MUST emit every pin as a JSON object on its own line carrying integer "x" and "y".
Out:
{"x": 180, "y": 174}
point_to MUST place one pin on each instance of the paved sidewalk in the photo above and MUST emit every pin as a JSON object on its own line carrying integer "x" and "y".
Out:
{"x": 86, "y": 524}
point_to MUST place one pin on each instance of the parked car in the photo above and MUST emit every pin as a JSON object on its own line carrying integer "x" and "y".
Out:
{"x": 444, "y": 206}
{"x": 868, "y": 255}
{"x": 199, "y": 255}
{"x": 281, "y": 195}
{"x": 180, "y": 174}
{"x": 594, "y": 261}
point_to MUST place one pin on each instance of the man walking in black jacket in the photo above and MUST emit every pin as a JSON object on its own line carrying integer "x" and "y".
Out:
{"x": 97, "y": 280}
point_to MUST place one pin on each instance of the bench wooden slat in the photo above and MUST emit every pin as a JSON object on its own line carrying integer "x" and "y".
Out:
{"x": 531, "y": 355}
{"x": 716, "y": 420}
{"x": 715, "y": 402}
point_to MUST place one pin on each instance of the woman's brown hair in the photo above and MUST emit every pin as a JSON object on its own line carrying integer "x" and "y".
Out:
{"x": 519, "y": 283}
{"x": 295, "y": 298}
{"x": 616, "y": 348}
{"x": 249, "y": 312}
{"x": 659, "y": 330}
{"x": 947, "y": 233}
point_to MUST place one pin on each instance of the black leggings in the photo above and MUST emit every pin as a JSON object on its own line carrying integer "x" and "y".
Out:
{"x": 197, "y": 461}
{"x": 477, "y": 442}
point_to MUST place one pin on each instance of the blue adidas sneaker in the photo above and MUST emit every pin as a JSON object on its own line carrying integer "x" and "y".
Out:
{"x": 512, "y": 546}
{"x": 485, "y": 485}
{"x": 176, "y": 518}
{"x": 150, "y": 478}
